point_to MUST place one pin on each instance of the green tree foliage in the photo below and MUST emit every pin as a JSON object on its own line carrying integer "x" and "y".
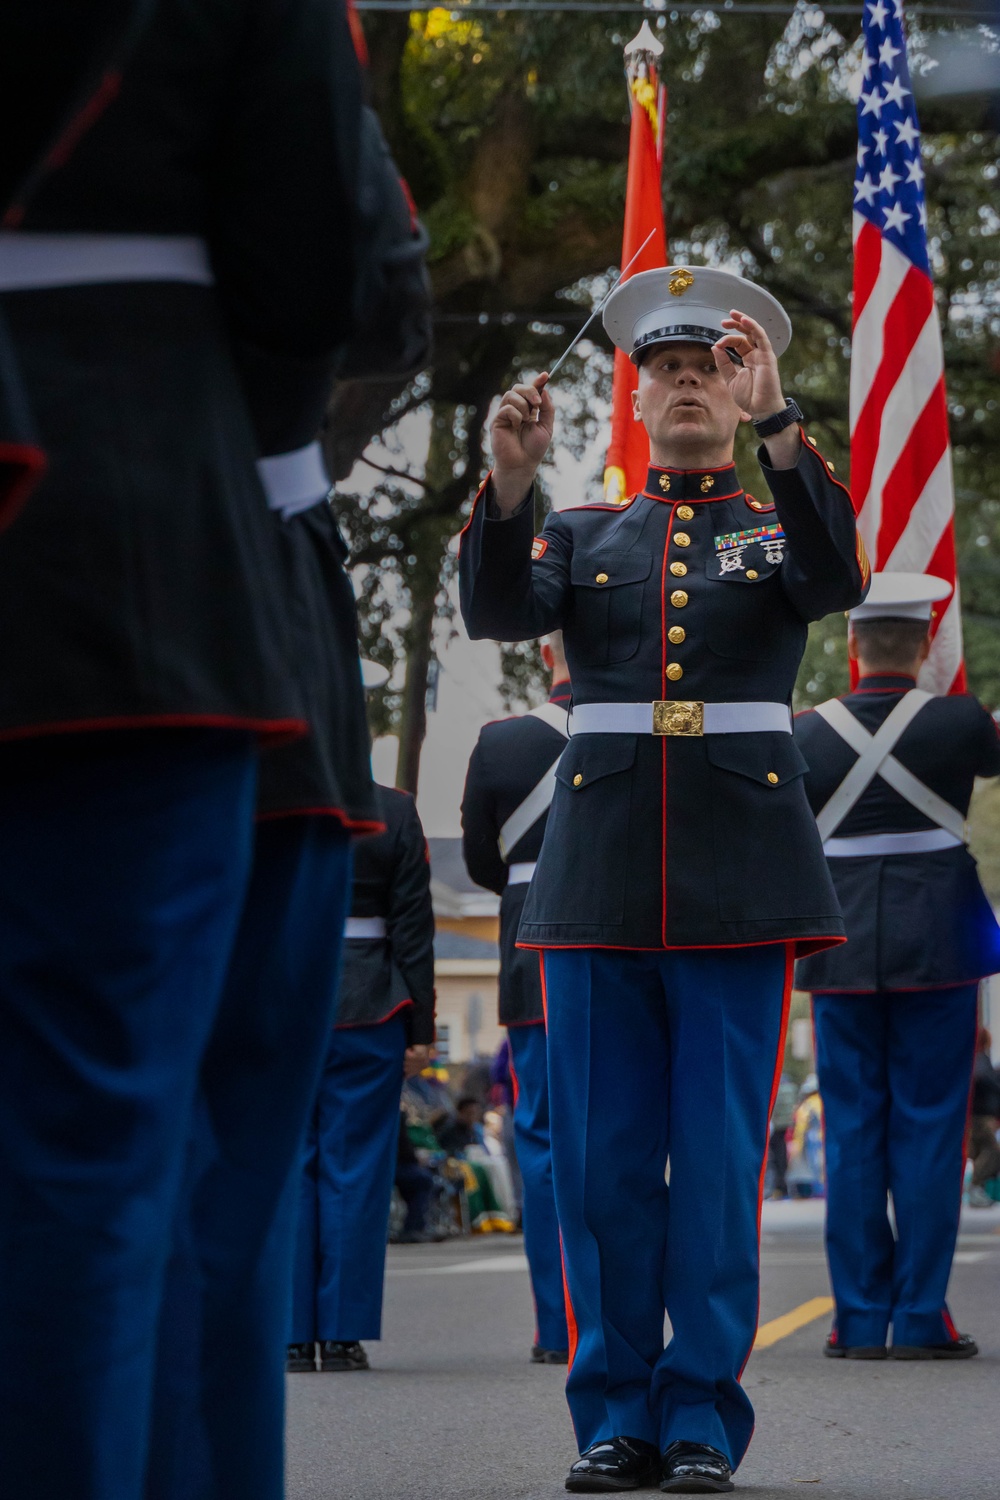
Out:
{"x": 512, "y": 130}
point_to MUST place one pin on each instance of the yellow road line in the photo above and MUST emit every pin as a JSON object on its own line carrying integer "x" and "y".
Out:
{"x": 791, "y": 1322}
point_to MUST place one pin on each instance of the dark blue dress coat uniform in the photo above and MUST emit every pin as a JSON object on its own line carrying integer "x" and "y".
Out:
{"x": 895, "y": 1017}
{"x": 678, "y": 876}
{"x": 386, "y": 1004}
{"x": 510, "y": 759}
{"x": 147, "y": 646}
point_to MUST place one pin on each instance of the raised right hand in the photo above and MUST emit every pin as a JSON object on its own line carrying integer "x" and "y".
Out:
{"x": 520, "y": 439}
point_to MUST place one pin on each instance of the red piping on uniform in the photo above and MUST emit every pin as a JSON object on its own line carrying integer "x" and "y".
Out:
{"x": 600, "y": 505}
{"x": 520, "y": 1025}
{"x": 663, "y": 749}
{"x": 690, "y": 499}
{"x": 666, "y": 469}
{"x": 825, "y": 941}
{"x": 32, "y": 463}
{"x": 545, "y": 993}
{"x": 472, "y": 513}
{"x": 83, "y": 119}
{"x": 360, "y": 826}
{"x": 571, "y": 1328}
{"x": 272, "y": 731}
{"x": 356, "y": 1025}
{"x": 786, "y": 1001}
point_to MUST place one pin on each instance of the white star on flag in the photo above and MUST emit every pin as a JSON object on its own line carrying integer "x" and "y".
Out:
{"x": 873, "y": 104}
{"x": 906, "y": 132}
{"x": 915, "y": 171}
{"x": 895, "y": 218}
{"x": 867, "y": 63}
{"x": 895, "y": 93}
{"x": 862, "y": 153}
{"x": 887, "y": 181}
{"x": 878, "y": 13}
{"x": 881, "y": 139}
{"x": 887, "y": 52}
{"x": 865, "y": 189}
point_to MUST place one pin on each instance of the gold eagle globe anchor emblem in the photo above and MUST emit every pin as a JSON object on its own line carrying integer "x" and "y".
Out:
{"x": 680, "y": 281}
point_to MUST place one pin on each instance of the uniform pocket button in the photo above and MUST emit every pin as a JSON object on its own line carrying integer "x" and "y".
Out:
{"x": 752, "y": 574}
{"x": 601, "y": 578}
{"x": 578, "y": 779}
{"x": 773, "y": 777}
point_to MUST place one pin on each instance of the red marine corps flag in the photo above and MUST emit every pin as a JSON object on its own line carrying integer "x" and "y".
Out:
{"x": 628, "y": 451}
{"x": 900, "y": 454}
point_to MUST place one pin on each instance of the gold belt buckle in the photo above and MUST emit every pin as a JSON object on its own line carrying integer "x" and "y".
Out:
{"x": 679, "y": 717}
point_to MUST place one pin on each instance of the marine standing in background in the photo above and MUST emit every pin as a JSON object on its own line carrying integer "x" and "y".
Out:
{"x": 891, "y": 771}
{"x": 384, "y": 1028}
{"x": 681, "y": 871}
{"x": 508, "y": 792}
{"x": 210, "y": 210}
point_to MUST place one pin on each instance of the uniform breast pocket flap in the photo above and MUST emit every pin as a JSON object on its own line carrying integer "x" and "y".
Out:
{"x": 608, "y": 568}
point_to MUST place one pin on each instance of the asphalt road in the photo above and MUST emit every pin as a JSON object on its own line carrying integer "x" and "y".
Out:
{"x": 452, "y": 1410}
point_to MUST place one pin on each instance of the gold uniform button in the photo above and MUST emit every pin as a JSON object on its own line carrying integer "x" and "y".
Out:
{"x": 772, "y": 777}
{"x": 685, "y": 513}
{"x": 752, "y": 574}
{"x": 675, "y": 671}
{"x": 578, "y": 779}
{"x": 678, "y": 569}
{"x": 676, "y": 634}
{"x": 830, "y": 467}
{"x": 755, "y": 505}
{"x": 682, "y": 539}
{"x": 678, "y": 598}
{"x": 601, "y": 578}
{"x": 812, "y": 440}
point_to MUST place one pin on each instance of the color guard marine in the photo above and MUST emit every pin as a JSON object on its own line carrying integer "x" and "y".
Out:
{"x": 508, "y": 792}
{"x": 891, "y": 772}
{"x": 681, "y": 871}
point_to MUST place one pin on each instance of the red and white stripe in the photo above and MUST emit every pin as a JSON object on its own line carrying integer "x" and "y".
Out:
{"x": 900, "y": 455}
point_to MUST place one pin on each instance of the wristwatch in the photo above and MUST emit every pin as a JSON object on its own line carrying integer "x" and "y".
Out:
{"x": 768, "y": 426}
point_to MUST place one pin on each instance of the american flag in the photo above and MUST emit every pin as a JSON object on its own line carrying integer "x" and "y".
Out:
{"x": 900, "y": 455}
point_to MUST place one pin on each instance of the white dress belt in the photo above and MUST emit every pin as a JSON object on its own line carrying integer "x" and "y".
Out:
{"x": 31, "y": 261}
{"x": 364, "y": 927}
{"x": 680, "y": 717}
{"x": 294, "y": 481}
{"x": 520, "y": 874}
{"x": 920, "y": 841}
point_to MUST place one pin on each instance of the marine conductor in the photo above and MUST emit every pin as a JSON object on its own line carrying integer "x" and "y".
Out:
{"x": 681, "y": 870}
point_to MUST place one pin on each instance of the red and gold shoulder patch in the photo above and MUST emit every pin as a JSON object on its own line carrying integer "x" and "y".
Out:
{"x": 539, "y": 547}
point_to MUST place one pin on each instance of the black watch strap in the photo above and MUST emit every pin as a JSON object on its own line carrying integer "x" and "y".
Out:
{"x": 768, "y": 426}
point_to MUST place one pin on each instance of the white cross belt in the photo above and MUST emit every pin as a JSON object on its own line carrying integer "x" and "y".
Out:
{"x": 521, "y": 873}
{"x": 920, "y": 841}
{"x": 294, "y": 481}
{"x": 364, "y": 927}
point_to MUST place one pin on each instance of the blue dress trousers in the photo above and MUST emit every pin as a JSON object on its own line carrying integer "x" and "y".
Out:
{"x": 528, "y": 1052}
{"x": 218, "y": 1432}
{"x": 125, "y": 866}
{"x": 658, "y": 1058}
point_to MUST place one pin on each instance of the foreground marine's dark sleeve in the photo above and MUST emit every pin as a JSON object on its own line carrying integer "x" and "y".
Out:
{"x": 282, "y": 236}
{"x": 825, "y": 567}
{"x": 989, "y": 746}
{"x": 513, "y": 588}
{"x": 480, "y": 829}
{"x": 410, "y": 923}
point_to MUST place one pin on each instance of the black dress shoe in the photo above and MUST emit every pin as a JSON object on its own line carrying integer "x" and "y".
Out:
{"x": 540, "y": 1356}
{"x": 620, "y": 1463}
{"x": 833, "y": 1350}
{"x": 299, "y": 1358}
{"x": 695, "y": 1469}
{"x": 962, "y": 1347}
{"x": 334, "y": 1355}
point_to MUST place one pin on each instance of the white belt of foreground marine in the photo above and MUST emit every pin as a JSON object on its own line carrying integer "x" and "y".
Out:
{"x": 921, "y": 841}
{"x": 680, "y": 717}
{"x": 32, "y": 261}
{"x": 294, "y": 481}
{"x": 520, "y": 874}
{"x": 364, "y": 927}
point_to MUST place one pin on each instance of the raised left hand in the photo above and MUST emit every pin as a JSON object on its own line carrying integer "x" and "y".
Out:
{"x": 755, "y": 385}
